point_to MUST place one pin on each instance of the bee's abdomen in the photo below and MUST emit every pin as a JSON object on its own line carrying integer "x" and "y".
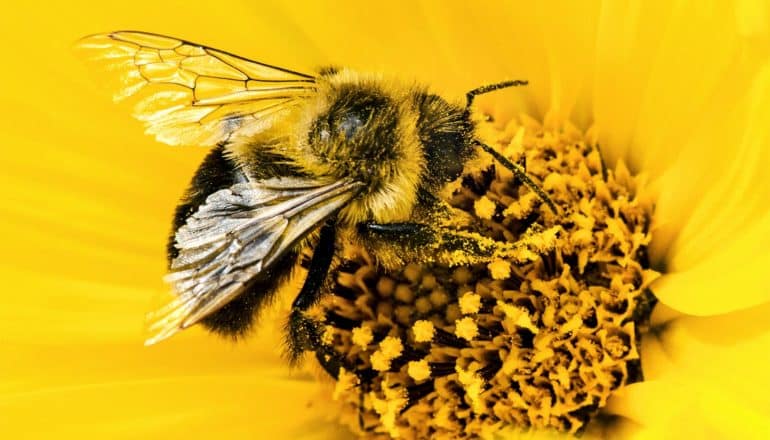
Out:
{"x": 239, "y": 315}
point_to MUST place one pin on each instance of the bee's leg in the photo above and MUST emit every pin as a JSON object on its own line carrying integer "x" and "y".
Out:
{"x": 304, "y": 333}
{"x": 408, "y": 234}
{"x": 421, "y": 242}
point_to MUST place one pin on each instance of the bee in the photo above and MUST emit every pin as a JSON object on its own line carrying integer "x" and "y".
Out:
{"x": 298, "y": 162}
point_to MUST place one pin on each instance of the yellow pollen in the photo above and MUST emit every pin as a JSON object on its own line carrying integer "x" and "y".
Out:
{"x": 517, "y": 317}
{"x": 346, "y": 381}
{"x": 464, "y": 376}
{"x": 389, "y": 406}
{"x": 499, "y": 269}
{"x": 516, "y": 143}
{"x": 470, "y": 303}
{"x": 379, "y": 361}
{"x": 423, "y": 331}
{"x": 327, "y": 337}
{"x": 466, "y": 328}
{"x": 362, "y": 337}
{"x": 419, "y": 370}
{"x": 391, "y": 347}
{"x": 484, "y": 208}
{"x": 523, "y": 207}
{"x": 473, "y": 385}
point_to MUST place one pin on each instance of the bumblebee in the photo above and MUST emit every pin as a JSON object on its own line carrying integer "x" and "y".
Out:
{"x": 298, "y": 163}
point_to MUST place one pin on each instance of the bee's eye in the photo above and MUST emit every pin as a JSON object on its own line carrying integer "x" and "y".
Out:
{"x": 350, "y": 124}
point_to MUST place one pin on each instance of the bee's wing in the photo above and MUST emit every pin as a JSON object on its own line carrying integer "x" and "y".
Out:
{"x": 235, "y": 237}
{"x": 195, "y": 95}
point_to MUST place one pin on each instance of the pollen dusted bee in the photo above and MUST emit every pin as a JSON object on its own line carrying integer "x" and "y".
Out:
{"x": 298, "y": 162}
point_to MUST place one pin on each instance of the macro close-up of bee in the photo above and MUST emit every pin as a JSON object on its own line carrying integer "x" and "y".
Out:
{"x": 297, "y": 162}
{"x": 409, "y": 220}
{"x": 386, "y": 220}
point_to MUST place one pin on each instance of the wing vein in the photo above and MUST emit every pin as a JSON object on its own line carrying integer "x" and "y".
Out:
{"x": 177, "y": 76}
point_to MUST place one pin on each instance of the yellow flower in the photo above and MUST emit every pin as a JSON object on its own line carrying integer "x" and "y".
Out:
{"x": 679, "y": 92}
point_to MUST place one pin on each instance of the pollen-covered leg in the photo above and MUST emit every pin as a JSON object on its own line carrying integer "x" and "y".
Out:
{"x": 305, "y": 333}
{"x": 400, "y": 243}
{"x": 302, "y": 333}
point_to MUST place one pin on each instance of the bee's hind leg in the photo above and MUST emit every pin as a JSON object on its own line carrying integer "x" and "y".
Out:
{"x": 304, "y": 333}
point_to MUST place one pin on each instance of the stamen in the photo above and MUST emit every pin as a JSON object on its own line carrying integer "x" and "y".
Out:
{"x": 499, "y": 269}
{"x": 484, "y": 208}
{"x": 423, "y": 331}
{"x": 346, "y": 381}
{"x": 419, "y": 370}
{"x": 327, "y": 337}
{"x": 362, "y": 336}
{"x": 395, "y": 398}
{"x": 390, "y": 349}
{"x": 470, "y": 303}
{"x": 466, "y": 328}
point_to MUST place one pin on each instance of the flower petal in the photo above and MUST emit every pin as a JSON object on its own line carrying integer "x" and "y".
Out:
{"x": 692, "y": 372}
{"x": 627, "y": 33}
{"x": 73, "y": 358}
{"x": 716, "y": 379}
{"x": 570, "y": 36}
{"x": 265, "y": 405}
{"x": 714, "y": 216}
{"x": 662, "y": 99}
{"x": 675, "y": 409}
{"x": 733, "y": 358}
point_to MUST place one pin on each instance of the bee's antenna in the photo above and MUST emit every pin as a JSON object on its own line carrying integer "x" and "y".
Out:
{"x": 470, "y": 96}
{"x": 519, "y": 172}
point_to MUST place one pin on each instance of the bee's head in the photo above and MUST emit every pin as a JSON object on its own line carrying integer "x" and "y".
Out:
{"x": 366, "y": 131}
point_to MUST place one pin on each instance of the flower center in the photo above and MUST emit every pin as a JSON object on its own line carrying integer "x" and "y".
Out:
{"x": 432, "y": 351}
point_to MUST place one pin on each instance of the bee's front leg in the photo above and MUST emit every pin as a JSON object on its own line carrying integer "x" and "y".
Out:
{"x": 400, "y": 243}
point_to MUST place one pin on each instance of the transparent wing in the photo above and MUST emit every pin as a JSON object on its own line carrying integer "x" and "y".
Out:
{"x": 193, "y": 94}
{"x": 234, "y": 237}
